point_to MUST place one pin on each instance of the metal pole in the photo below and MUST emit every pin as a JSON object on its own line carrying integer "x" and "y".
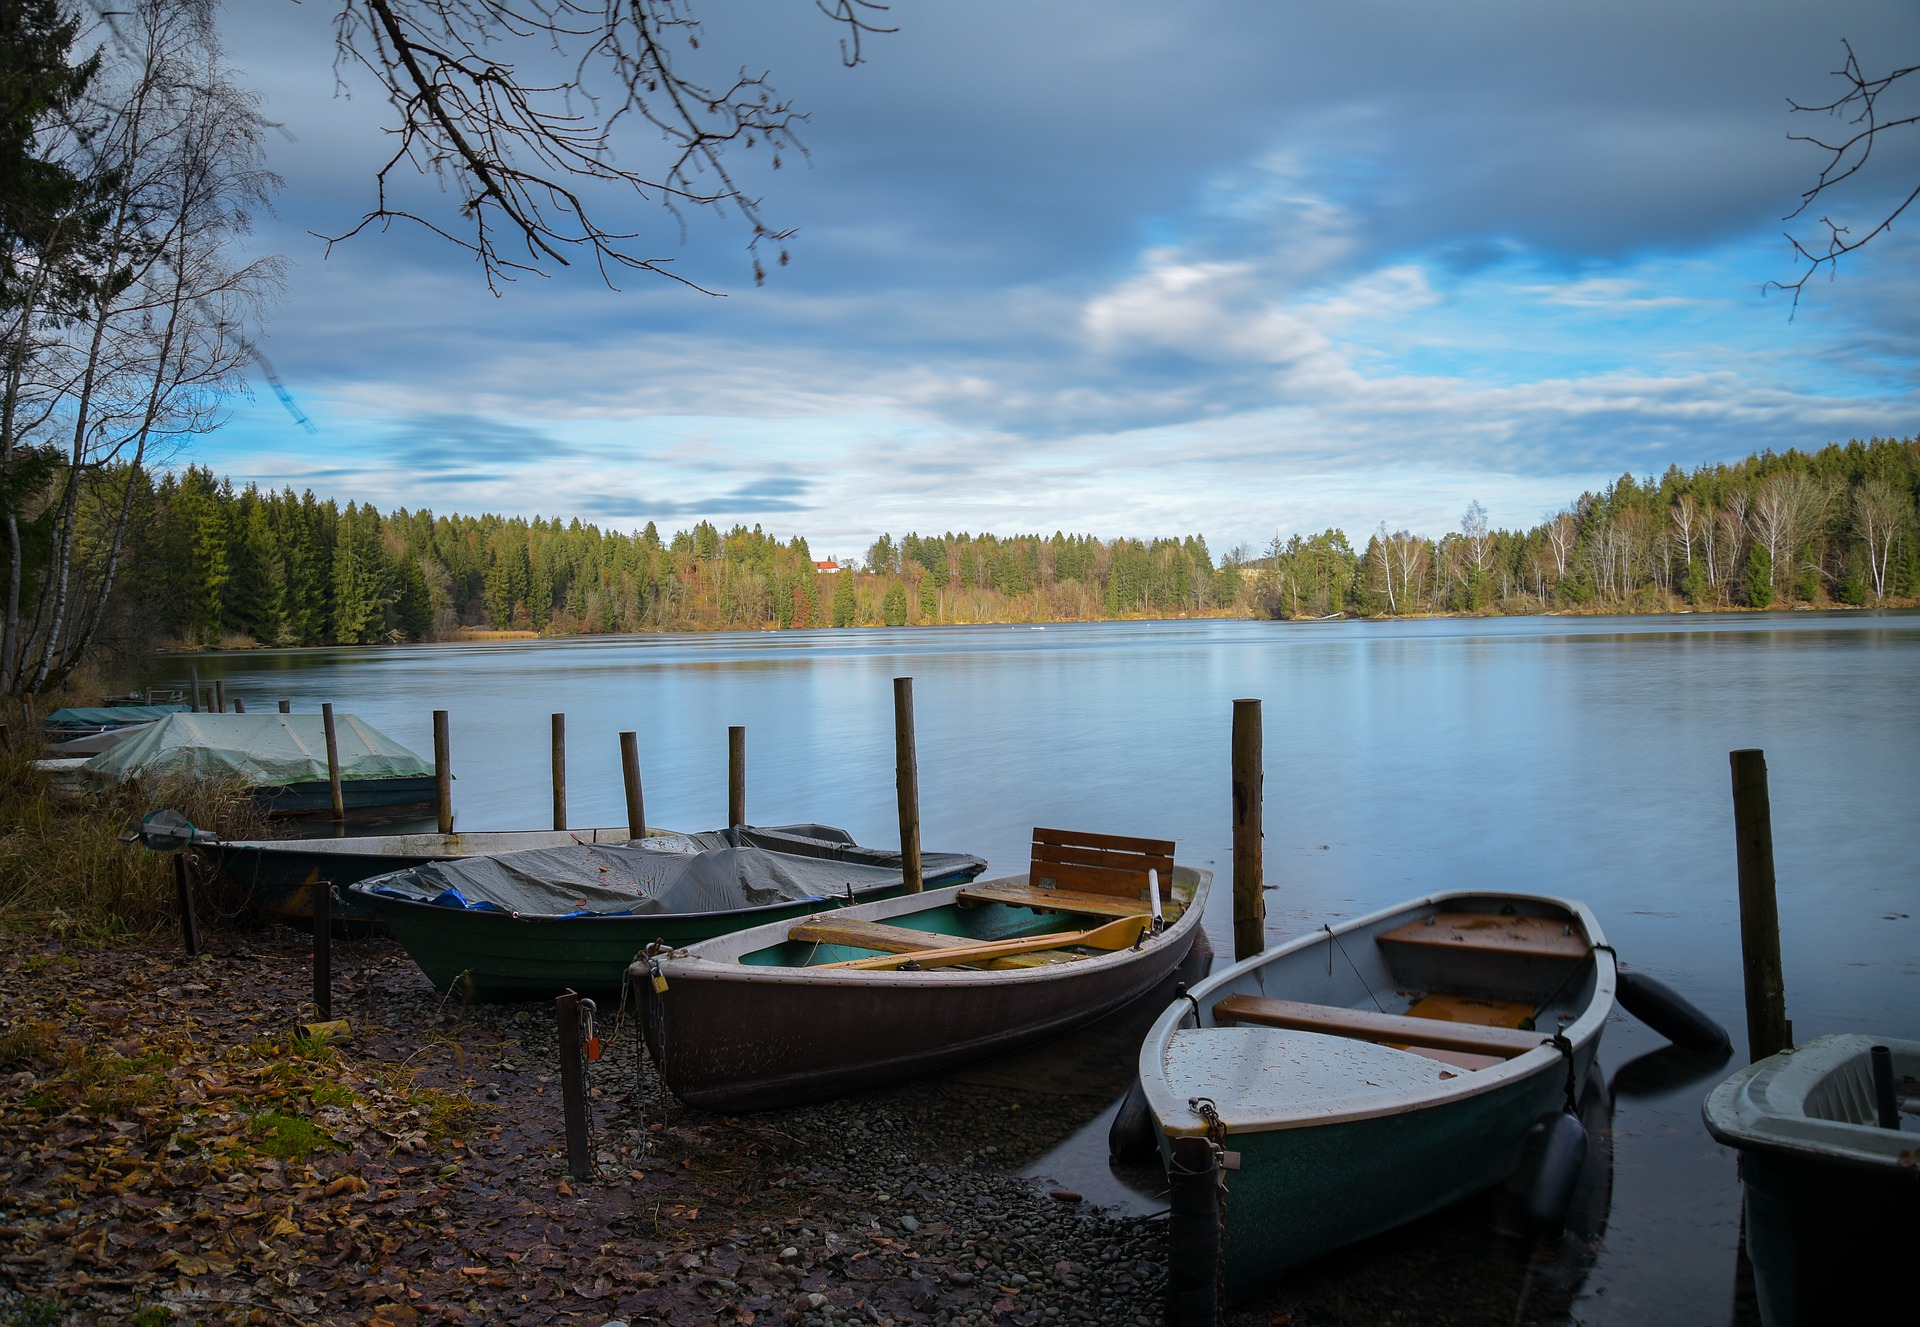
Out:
{"x": 559, "y": 771}
{"x": 1249, "y": 828}
{"x": 333, "y": 763}
{"x": 906, "y": 777}
{"x": 1768, "y": 1031}
{"x": 736, "y": 776}
{"x": 573, "y": 1084}
{"x": 323, "y": 950}
{"x": 183, "y": 887}
{"x": 630, "y": 772}
{"x": 442, "y": 771}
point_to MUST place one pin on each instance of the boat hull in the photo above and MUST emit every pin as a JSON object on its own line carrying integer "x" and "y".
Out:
{"x": 316, "y": 798}
{"x": 730, "y": 1036}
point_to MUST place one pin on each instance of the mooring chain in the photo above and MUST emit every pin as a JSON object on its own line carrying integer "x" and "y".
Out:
{"x": 1560, "y": 1043}
{"x": 1209, "y": 1113}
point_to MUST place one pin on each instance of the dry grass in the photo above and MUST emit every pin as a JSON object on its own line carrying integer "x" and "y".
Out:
{"x": 63, "y": 866}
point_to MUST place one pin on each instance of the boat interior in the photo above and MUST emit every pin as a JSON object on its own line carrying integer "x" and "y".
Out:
{"x": 1084, "y": 894}
{"x": 1471, "y": 982}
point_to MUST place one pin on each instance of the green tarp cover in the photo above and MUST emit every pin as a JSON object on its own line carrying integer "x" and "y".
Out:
{"x": 265, "y": 749}
{"x": 109, "y": 716}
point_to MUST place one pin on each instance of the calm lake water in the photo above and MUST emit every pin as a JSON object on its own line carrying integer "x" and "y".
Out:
{"x": 1578, "y": 756}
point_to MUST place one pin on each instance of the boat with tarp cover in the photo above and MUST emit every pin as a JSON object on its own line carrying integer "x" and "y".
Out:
{"x": 1361, "y": 1076}
{"x": 283, "y": 757}
{"x": 528, "y": 925}
{"x": 802, "y": 1010}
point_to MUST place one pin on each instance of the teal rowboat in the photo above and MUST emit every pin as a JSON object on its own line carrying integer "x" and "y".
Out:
{"x": 1365, "y": 1075}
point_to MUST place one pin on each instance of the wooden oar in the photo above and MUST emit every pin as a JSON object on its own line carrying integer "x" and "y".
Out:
{"x": 1113, "y": 935}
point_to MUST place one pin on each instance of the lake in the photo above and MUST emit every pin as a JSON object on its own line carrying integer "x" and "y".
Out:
{"x": 1579, "y": 756}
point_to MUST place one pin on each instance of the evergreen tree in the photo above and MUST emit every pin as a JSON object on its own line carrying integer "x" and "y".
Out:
{"x": 845, "y": 607}
{"x": 893, "y": 609}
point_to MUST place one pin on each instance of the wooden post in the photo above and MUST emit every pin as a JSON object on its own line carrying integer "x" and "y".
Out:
{"x": 906, "y": 779}
{"x": 6, "y": 737}
{"x": 286, "y": 707}
{"x": 559, "y": 771}
{"x": 193, "y": 687}
{"x": 630, "y": 772}
{"x": 1249, "y": 827}
{"x": 219, "y": 695}
{"x": 333, "y": 763}
{"x": 323, "y": 950}
{"x": 1767, "y": 1028}
{"x": 146, "y": 695}
{"x": 239, "y": 705}
{"x": 573, "y": 1085}
{"x": 1194, "y": 1245}
{"x": 183, "y": 887}
{"x": 206, "y": 699}
{"x": 442, "y": 772}
{"x": 736, "y": 776}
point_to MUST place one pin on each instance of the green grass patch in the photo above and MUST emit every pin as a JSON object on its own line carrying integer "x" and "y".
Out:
{"x": 289, "y": 1137}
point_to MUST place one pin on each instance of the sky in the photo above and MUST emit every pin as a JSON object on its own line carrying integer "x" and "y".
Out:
{"x": 1240, "y": 268}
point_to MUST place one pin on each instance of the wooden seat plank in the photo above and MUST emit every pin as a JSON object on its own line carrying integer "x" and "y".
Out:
{"x": 1054, "y": 900}
{"x": 1100, "y": 863}
{"x": 1532, "y": 937}
{"x": 1367, "y": 1025}
{"x": 857, "y": 934}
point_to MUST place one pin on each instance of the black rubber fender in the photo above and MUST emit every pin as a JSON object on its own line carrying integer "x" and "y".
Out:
{"x": 1556, "y": 1151}
{"x": 1132, "y": 1138}
{"x": 1671, "y": 1014}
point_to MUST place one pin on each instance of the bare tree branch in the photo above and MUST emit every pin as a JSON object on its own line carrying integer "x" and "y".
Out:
{"x": 1847, "y": 155}
{"x": 523, "y": 151}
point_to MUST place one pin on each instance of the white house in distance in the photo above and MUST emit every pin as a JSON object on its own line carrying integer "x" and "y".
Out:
{"x": 826, "y": 567}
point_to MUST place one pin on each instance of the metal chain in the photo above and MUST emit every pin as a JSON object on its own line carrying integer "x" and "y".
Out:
{"x": 1209, "y": 1112}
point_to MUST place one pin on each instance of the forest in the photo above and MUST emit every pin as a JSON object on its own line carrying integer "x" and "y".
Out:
{"x": 209, "y": 564}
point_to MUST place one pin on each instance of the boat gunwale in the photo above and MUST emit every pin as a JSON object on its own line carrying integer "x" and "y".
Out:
{"x": 1175, "y": 1120}
{"x": 1735, "y": 1120}
{"x": 687, "y": 965}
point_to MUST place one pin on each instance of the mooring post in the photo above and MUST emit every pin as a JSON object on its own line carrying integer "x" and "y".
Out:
{"x": 1249, "y": 828}
{"x": 183, "y": 888}
{"x": 6, "y": 737}
{"x": 146, "y": 695}
{"x": 630, "y": 774}
{"x": 736, "y": 776}
{"x": 286, "y": 707}
{"x": 239, "y": 705}
{"x": 193, "y": 687}
{"x": 333, "y": 763}
{"x": 559, "y": 771}
{"x": 442, "y": 772}
{"x": 206, "y": 699}
{"x": 906, "y": 779}
{"x": 1194, "y": 1251}
{"x": 219, "y": 695}
{"x": 323, "y": 950}
{"x": 573, "y": 1084}
{"x": 1768, "y": 1031}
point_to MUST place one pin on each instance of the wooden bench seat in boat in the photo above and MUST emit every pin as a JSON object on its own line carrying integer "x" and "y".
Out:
{"x": 1526, "y": 937}
{"x": 1367, "y": 1025}
{"x": 857, "y": 934}
{"x": 1102, "y": 875}
{"x": 1056, "y": 900}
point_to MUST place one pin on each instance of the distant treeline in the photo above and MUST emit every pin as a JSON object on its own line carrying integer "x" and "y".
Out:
{"x": 212, "y": 563}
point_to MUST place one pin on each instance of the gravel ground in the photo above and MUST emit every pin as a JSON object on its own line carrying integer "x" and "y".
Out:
{"x": 902, "y": 1206}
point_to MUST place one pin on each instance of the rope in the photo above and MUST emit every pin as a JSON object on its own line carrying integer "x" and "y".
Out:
{"x": 1350, "y": 963}
{"x": 1560, "y": 1043}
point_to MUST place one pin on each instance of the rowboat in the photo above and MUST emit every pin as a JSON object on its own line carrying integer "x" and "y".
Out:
{"x": 800, "y": 1011}
{"x": 276, "y": 877}
{"x": 1831, "y": 1163}
{"x": 527, "y": 925}
{"x": 1361, "y": 1076}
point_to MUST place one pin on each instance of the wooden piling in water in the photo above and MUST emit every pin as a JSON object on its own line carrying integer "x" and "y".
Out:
{"x": 146, "y": 695}
{"x": 442, "y": 772}
{"x": 736, "y": 776}
{"x": 1249, "y": 815}
{"x": 286, "y": 707}
{"x": 573, "y": 1084}
{"x": 333, "y": 763}
{"x": 219, "y": 696}
{"x": 630, "y": 775}
{"x": 193, "y": 688}
{"x": 559, "y": 771}
{"x": 239, "y": 705}
{"x": 1768, "y": 1030}
{"x": 906, "y": 779}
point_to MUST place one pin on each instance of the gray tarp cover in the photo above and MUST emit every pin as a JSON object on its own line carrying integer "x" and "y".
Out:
{"x": 266, "y": 749}
{"x": 673, "y": 873}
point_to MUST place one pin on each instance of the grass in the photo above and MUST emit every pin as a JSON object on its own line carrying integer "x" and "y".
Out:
{"x": 63, "y": 866}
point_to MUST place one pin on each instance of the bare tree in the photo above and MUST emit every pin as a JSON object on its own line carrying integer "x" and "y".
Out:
{"x": 1561, "y": 530}
{"x": 119, "y": 379}
{"x": 1685, "y": 515}
{"x": 1858, "y": 110}
{"x": 1730, "y": 530}
{"x": 1881, "y": 515}
{"x": 517, "y": 105}
{"x": 1475, "y": 535}
{"x": 1787, "y": 507}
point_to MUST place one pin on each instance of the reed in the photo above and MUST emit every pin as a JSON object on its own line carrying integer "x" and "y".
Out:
{"x": 63, "y": 866}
